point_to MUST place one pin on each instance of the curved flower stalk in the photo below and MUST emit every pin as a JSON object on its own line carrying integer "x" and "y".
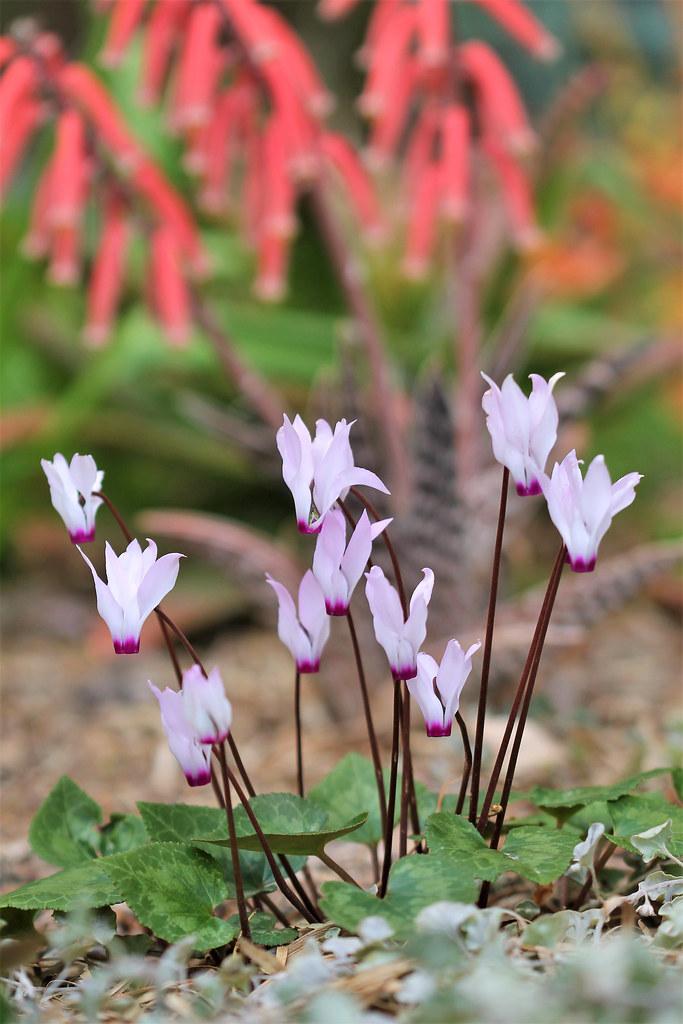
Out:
{"x": 401, "y": 638}
{"x": 136, "y": 582}
{"x": 303, "y": 632}
{"x": 71, "y": 491}
{"x": 194, "y": 719}
{"x": 320, "y": 470}
{"x": 338, "y": 566}
{"x": 437, "y": 688}
{"x": 523, "y": 430}
{"x": 582, "y": 508}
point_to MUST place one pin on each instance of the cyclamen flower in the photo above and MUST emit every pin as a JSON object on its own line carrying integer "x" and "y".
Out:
{"x": 305, "y": 633}
{"x": 338, "y": 566}
{"x": 207, "y": 709}
{"x": 321, "y": 470}
{"x": 192, "y": 756}
{"x": 582, "y": 508}
{"x": 437, "y": 688}
{"x": 523, "y": 430}
{"x": 136, "y": 582}
{"x": 401, "y": 639}
{"x": 71, "y": 491}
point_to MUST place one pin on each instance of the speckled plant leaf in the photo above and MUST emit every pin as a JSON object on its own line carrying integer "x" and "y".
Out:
{"x": 173, "y": 890}
{"x": 122, "y": 832}
{"x": 83, "y": 886}
{"x": 540, "y": 854}
{"x": 64, "y": 830}
{"x": 635, "y": 814}
{"x": 414, "y": 883}
{"x": 563, "y": 803}
{"x": 456, "y": 838}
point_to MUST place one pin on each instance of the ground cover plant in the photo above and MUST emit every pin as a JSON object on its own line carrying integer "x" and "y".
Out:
{"x": 363, "y": 893}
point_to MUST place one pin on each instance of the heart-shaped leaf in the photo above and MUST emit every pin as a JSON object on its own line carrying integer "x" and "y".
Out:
{"x": 563, "y": 803}
{"x": 86, "y": 885}
{"x": 453, "y": 836}
{"x": 539, "y": 854}
{"x": 64, "y": 830}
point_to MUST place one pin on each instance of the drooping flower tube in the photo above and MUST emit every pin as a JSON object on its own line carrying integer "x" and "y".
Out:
{"x": 207, "y": 709}
{"x": 338, "y": 566}
{"x": 304, "y": 632}
{"x": 523, "y": 430}
{"x": 582, "y": 508}
{"x": 71, "y": 491}
{"x": 319, "y": 470}
{"x": 192, "y": 756}
{"x": 437, "y": 688}
{"x": 136, "y": 582}
{"x": 401, "y": 639}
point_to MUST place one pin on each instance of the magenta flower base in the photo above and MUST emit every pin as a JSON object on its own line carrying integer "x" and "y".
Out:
{"x": 128, "y": 646}
{"x": 528, "y": 490}
{"x": 581, "y": 565}
{"x": 82, "y": 536}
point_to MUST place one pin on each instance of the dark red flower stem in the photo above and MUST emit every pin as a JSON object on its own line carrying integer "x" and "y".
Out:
{"x": 467, "y": 765}
{"x": 533, "y": 658}
{"x": 405, "y": 774}
{"x": 372, "y": 736}
{"x": 488, "y": 646}
{"x": 398, "y": 576}
{"x": 297, "y": 726}
{"x": 391, "y": 805}
{"x": 275, "y": 910}
{"x": 265, "y": 846}
{"x": 234, "y": 852}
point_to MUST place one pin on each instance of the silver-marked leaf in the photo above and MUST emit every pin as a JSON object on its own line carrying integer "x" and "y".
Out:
{"x": 64, "y": 830}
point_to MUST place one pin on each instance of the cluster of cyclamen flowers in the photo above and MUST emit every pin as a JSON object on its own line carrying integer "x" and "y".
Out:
{"x": 319, "y": 472}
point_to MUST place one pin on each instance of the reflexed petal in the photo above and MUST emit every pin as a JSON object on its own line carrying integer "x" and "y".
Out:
{"x": 107, "y": 606}
{"x": 384, "y": 601}
{"x": 289, "y": 630}
{"x": 313, "y": 614}
{"x": 623, "y": 492}
{"x": 359, "y": 548}
{"x": 421, "y": 688}
{"x": 159, "y": 580}
{"x": 84, "y": 473}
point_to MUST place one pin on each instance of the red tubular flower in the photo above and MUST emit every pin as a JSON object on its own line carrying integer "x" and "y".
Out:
{"x": 273, "y": 251}
{"x": 170, "y": 210}
{"x": 422, "y": 223}
{"x": 455, "y": 161}
{"x": 165, "y": 23}
{"x": 388, "y": 58}
{"x": 232, "y": 121}
{"x": 198, "y": 70}
{"x": 16, "y": 86}
{"x": 341, "y": 155}
{"x": 277, "y": 218}
{"x": 169, "y": 291}
{"x": 501, "y": 107}
{"x": 521, "y": 24}
{"x": 15, "y": 138}
{"x": 81, "y": 86}
{"x": 299, "y": 65}
{"x": 125, "y": 18}
{"x": 516, "y": 190}
{"x": 382, "y": 13}
{"x": 64, "y": 255}
{"x": 107, "y": 273}
{"x": 7, "y": 49}
{"x": 432, "y": 23}
{"x": 68, "y": 174}
{"x": 37, "y": 240}
{"x": 387, "y": 129}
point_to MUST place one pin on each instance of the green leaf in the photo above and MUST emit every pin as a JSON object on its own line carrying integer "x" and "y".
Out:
{"x": 349, "y": 788}
{"x": 677, "y": 779}
{"x": 453, "y": 836}
{"x": 84, "y": 886}
{"x": 414, "y": 883}
{"x": 292, "y": 825}
{"x": 64, "y": 830}
{"x": 563, "y": 803}
{"x": 178, "y": 822}
{"x": 540, "y": 854}
{"x": 173, "y": 890}
{"x": 122, "y": 833}
{"x": 265, "y": 931}
{"x": 633, "y": 815}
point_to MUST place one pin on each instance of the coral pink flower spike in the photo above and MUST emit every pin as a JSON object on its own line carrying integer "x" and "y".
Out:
{"x": 582, "y": 508}
{"x": 71, "y": 492}
{"x": 437, "y": 688}
{"x": 192, "y": 756}
{"x": 401, "y": 639}
{"x": 321, "y": 470}
{"x": 523, "y": 430}
{"x": 338, "y": 566}
{"x": 136, "y": 582}
{"x": 304, "y": 634}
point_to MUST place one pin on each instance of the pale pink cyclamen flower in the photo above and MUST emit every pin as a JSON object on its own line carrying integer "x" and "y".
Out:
{"x": 136, "y": 582}
{"x": 304, "y": 633}
{"x": 338, "y": 566}
{"x": 523, "y": 430}
{"x": 71, "y": 492}
{"x": 207, "y": 709}
{"x": 321, "y": 470}
{"x": 582, "y": 508}
{"x": 437, "y": 688}
{"x": 401, "y": 638}
{"x": 192, "y": 756}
